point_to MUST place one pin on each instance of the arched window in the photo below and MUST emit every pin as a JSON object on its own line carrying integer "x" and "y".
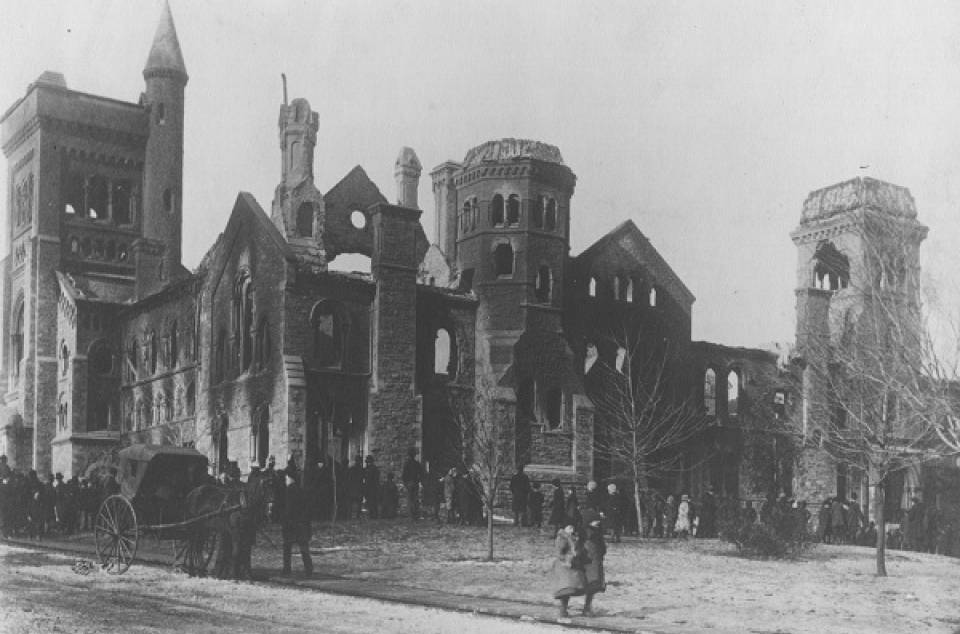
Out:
{"x": 620, "y": 359}
{"x": 465, "y": 217}
{"x": 243, "y": 319}
{"x": 260, "y": 436}
{"x": 152, "y": 342}
{"x": 710, "y": 392}
{"x": 536, "y": 216}
{"x": 617, "y": 289}
{"x": 544, "y": 285}
{"x": 444, "y": 353}
{"x": 191, "y": 399}
{"x": 592, "y": 287}
{"x": 16, "y": 338}
{"x": 263, "y": 344}
{"x": 329, "y": 333}
{"x": 628, "y": 292}
{"x": 474, "y": 212}
{"x": 550, "y": 217}
{"x": 98, "y": 197}
{"x": 831, "y": 268}
{"x": 174, "y": 346}
{"x": 132, "y": 356}
{"x": 496, "y": 211}
{"x": 503, "y": 260}
{"x": 74, "y": 245}
{"x": 64, "y": 358}
{"x": 305, "y": 220}
{"x": 733, "y": 393}
{"x": 553, "y": 407}
{"x": 652, "y": 296}
{"x": 62, "y": 412}
{"x": 161, "y": 114}
{"x": 513, "y": 210}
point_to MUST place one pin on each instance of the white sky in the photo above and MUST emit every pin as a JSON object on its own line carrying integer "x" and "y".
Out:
{"x": 707, "y": 123}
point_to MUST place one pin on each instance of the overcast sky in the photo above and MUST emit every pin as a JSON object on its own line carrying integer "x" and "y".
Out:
{"x": 707, "y": 123}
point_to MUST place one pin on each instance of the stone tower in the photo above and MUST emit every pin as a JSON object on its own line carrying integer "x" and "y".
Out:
{"x": 158, "y": 253}
{"x": 858, "y": 243}
{"x": 298, "y": 209}
{"x": 506, "y": 230}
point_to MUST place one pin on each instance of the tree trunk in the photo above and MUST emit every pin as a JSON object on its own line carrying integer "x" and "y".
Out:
{"x": 639, "y": 506}
{"x": 490, "y": 531}
{"x": 881, "y": 533}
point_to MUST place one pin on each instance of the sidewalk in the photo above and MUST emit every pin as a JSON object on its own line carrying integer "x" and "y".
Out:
{"x": 152, "y": 552}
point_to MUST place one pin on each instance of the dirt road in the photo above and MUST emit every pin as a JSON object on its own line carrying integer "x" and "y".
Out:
{"x": 39, "y": 592}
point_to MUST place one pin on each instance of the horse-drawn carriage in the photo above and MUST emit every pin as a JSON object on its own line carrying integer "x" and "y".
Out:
{"x": 162, "y": 493}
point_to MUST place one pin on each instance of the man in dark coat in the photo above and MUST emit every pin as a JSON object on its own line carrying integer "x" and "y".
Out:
{"x": 838, "y": 520}
{"x": 595, "y": 497}
{"x": 295, "y": 524}
{"x": 354, "y": 488}
{"x": 824, "y": 530}
{"x": 389, "y": 498}
{"x": 613, "y": 509}
{"x": 371, "y": 488}
{"x": 557, "y": 506}
{"x": 535, "y": 505}
{"x": 519, "y": 491}
{"x": 411, "y": 477}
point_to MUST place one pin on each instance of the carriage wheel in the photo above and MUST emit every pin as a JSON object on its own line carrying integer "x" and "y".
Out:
{"x": 193, "y": 555}
{"x": 116, "y": 534}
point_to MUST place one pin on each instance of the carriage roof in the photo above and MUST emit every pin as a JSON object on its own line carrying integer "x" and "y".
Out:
{"x": 146, "y": 465}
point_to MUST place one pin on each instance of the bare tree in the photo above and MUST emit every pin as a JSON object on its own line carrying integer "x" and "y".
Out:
{"x": 884, "y": 396}
{"x": 645, "y": 421}
{"x": 485, "y": 427}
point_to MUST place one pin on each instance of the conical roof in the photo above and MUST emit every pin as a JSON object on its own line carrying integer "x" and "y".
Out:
{"x": 165, "y": 53}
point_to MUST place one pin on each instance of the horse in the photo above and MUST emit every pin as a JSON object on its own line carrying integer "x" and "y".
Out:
{"x": 232, "y": 513}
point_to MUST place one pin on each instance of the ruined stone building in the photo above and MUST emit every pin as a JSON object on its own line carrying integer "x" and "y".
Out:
{"x": 264, "y": 350}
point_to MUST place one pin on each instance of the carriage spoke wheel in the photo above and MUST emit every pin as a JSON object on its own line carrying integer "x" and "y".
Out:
{"x": 116, "y": 534}
{"x": 193, "y": 554}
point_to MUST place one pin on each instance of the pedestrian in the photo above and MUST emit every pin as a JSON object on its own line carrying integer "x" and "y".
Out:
{"x": 683, "y": 525}
{"x": 535, "y": 505}
{"x": 355, "y": 488}
{"x": 371, "y": 488}
{"x": 519, "y": 491}
{"x": 411, "y": 476}
{"x": 389, "y": 498}
{"x": 571, "y": 511}
{"x": 595, "y": 548}
{"x": 295, "y": 524}
{"x": 594, "y": 498}
{"x": 431, "y": 485}
{"x": 669, "y": 516}
{"x": 613, "y": 511}
{"x": 567, "y": 573}
{"x": 855, "y": 519}
{"x": 450, "y": 495}
{"x": 824, "y": 530}
{"x": 838, "y": 520}
{"x": 557, "y": 505}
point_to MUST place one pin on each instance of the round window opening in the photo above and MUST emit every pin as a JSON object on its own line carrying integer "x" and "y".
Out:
{"x": 358, "y": 219}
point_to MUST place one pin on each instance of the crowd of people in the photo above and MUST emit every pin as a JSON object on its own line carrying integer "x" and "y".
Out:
{"x": 34, "y": 507}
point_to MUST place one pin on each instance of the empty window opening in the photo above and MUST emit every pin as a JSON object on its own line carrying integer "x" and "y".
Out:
{"x": 358, "y": 219}
{"x": 496, "y": 211}
{"x": 550, "y": 217}
{"x": 220, "y": 359}
{"x": 466, "y": 281}
{"x": 513, "y": 210}
{"x": 98, "y": 196}
{"x": 168, "y": 200}
{"x": 220, "y": 444}
{"x": 243, "y": 319}
{"x": 536, "y": 215}
{"x": 443, "y": 353}
{"x": 653, "y": 296}
{"x": 628, "y": 292}
{"x": 474, "y": 212}
{"x": 161, "y": 113}
{"x": 831, "y": 268}
{"x": 153, "y": 353}
{"x": 553, "y": 407}
{"x": 74, "y": 194}
{"x": 590, "y": 357}
{"x": 733, "y": 393}
{"x": 710, "y": 392}
{"x": 191, "y": 399}
{"x": 305, "y": 220}
{"x": 120, "y": 201}
{"x": 329, "y": 329}
{"x": 174, "y": 346}
{"x": 592, "y": 287}
{"x": 260, "y": 436}
{"x": 544, "y": 284}
{"x": 17, "y": 343}
{"x": 503, "y": 260}
{"x": 64, "y": 359}
{"x": 465, "y": 217}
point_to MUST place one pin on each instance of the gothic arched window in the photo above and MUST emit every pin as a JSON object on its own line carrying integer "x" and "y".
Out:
{"x": 536, "y": 215}
{"x": 329, "y": 333}
{"x": 496, "y": 211}
{"x": 16, "y": 338}
{"x": 305, "y": 220}
{"x": 243, "y": 319}
{"x": 550, "y": 217}
{"x": 733, "y": 393}
{"x": 513, "y": 210}
{"x": 710, "y": 392}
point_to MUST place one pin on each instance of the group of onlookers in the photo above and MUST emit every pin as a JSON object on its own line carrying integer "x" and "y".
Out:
{"x": 31, "y": 506}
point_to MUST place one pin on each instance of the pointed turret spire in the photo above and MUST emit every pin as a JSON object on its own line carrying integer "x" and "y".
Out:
{"x": 165, "y": 55}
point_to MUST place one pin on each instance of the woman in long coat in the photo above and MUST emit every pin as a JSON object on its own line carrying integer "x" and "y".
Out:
{"x": 567, "y": 573}
{"x": 595, "y": 548}
{"x": 557, "y": 506}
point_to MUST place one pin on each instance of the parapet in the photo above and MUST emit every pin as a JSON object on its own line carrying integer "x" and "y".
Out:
{"x": 857, "y": 193}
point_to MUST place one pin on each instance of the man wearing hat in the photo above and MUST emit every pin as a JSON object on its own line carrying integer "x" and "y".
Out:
{"x": 295, "y": 523}
{"x": 371, "y": 488}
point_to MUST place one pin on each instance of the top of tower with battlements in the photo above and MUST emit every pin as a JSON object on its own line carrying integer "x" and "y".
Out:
{"x": 506, "y": 149}
{"x": 858, "y": 193}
